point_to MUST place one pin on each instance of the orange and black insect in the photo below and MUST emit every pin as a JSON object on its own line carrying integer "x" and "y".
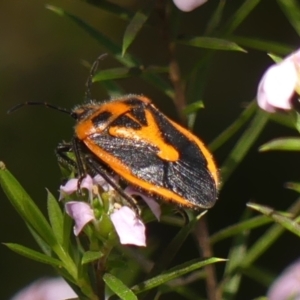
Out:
{"x": 131, "y": 138}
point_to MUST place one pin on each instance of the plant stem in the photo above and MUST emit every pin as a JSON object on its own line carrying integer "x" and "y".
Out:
{"x": 202, "y": 237}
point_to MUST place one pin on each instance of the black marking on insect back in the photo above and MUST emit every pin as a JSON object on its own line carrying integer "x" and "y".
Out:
{"x": 139, "y": 114}
{"x": 101, "y": 118}
{"x": 127, "y": 122}
{"x": 134, "y": 102}
{"x": 138, "y": 154}
{"x": 137, "y": 109}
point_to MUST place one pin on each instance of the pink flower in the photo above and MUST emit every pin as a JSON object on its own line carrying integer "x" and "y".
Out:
{"x": 128, "y": 226}
{"x": 279, "y": 84}
{"x": 287, "y": 285}
{"x": 130, "y": 229}
{"x": 99, "y": 180}
{"x": 81, "y": 213}
{"x": 46, "y": 289}
{"x": 153, "y": 205}
{"x": 188, "y": 5}
{"x": 71, "y": 186}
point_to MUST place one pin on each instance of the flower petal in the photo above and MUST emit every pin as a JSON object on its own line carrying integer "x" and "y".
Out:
{"x": 46, "y": 289}
{"x": 130, "y": 229}
{"x": 279, "y": 83}
{"x": 287, "y": 285}
{"x": 188, "y": 5}
{"x": 71, "y": 186}
{"x": 81, "y": 212}
{"x": 153, "y": 205}
{"x": 99, "y": 180}
{"x": 87, "y": 183}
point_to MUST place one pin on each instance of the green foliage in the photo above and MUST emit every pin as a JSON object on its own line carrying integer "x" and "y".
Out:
{"x": 211, "y": 43}
{"x": 118, "y": 287}
{"x": 75, "y": 261}
{"x": 283, "y": 144}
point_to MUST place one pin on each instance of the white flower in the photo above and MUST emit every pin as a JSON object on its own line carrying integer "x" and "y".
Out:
{"x": 279, "y": 84}
{"x": 188, "y": 5}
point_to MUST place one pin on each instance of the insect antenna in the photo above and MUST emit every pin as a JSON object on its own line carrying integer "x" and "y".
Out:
{"x": 48, "y": 105}
{"x": 89, "y": 82}
{"x": 66, "y": 111}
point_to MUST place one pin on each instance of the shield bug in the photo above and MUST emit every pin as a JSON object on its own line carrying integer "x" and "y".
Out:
{"x": 131, "y": 138}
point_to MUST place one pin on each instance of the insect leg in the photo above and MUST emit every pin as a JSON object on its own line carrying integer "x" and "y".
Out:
{"x": 80, "y": 160}
{"x": 61, "y": 153}
{"x": 97, "y": 168}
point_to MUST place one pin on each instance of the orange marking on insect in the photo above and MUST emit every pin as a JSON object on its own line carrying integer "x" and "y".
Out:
{"x": 148, "y": 134}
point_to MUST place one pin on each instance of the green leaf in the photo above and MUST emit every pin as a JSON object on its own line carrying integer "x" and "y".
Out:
{"x": 42, "y": 244}
{"x": 291, "y": 9}
{"x": 118, "y": 287}
{"x": 282, "y": 144}
{"x": 263, "y": 45}
{"x": 28, "y": 210}
{"x": 193, "y": 107}
{"x": 238, "y": 228}
{"x": 277, "y": 59}
{"x": 25, "y": 206}
{"x": 117, "y": 73}
{"x": 211, "y": 43}
{"x": 243, "y": 145}
{"x": 55, "y": 217}
{"x": 135, "y": 25}
{"x": 267, "y": 239}
{"x": 287, "y": 223}
{"x": 91, "y": 256}
{"x": 34, "y": 255}
{"x": 295, "y": 186}
{"x": 297, "y": 122}
{"x": 288, "y": 119}
{"x": 173, "y": 273}
{"x": 67, "y": 230}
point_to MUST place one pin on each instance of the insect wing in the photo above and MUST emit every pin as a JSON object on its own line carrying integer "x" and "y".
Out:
{"x": 151, "y": 152}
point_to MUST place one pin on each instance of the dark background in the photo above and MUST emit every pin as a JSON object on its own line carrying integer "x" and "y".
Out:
{"x": 40, "y": 60}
